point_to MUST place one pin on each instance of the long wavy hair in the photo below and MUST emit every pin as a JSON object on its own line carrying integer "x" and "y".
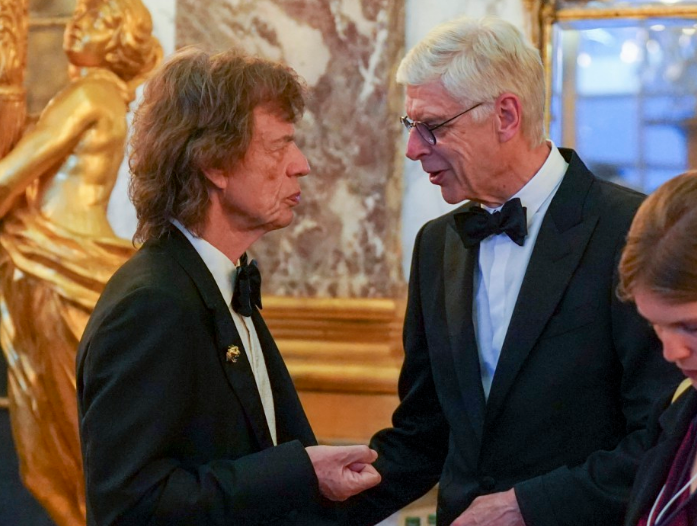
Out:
{"x": 197, "y": 113}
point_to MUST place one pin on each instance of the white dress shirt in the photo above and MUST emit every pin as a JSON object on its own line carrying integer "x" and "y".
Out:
{"x": 224, "y": 273}
{"x": 502, "y": 265}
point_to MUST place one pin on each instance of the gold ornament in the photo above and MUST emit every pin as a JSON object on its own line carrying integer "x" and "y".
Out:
{"x": 57, "y": 249}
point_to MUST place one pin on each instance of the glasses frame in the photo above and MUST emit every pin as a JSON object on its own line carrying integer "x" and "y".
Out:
{"x": 425, "y": 131}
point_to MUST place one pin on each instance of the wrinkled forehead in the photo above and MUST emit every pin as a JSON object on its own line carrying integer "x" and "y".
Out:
{"x": 428, "y": 100}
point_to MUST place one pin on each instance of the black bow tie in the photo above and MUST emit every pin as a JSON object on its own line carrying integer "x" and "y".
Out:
{"x": 476, "y": 224}
{"x": 247, "y": 287}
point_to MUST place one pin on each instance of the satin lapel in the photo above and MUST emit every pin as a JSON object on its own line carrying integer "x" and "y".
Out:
{"x": 239, "y": 374}
{"x": 291, "y": 421}
{"x": 458, "y": 272}
{"x": 564, "y": 234}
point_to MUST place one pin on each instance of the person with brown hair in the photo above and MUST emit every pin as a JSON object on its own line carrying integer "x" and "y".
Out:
{"x": 658, "y": 271}
{"x": 187, "y": 412}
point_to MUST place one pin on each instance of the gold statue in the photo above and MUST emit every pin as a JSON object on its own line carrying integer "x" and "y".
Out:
{"x": 13, "y": 60}
{"x": 57, "y": 249}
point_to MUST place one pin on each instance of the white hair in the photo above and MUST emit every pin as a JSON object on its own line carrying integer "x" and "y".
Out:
{"x": 477, "y": 60}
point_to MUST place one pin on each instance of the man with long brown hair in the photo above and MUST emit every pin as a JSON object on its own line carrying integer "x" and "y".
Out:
{"x": 187, "y": 412}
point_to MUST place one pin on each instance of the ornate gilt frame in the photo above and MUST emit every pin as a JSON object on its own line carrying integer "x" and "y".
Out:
{"x": 547, "y": 14}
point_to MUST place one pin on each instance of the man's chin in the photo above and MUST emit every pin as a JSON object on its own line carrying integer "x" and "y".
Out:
{"x": 450, "y": 197}
{"x": 281, "y": 222}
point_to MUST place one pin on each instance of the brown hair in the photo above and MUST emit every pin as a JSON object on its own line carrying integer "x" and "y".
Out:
{"x": 661, "y": 250}
{"x": 197, "y": 113}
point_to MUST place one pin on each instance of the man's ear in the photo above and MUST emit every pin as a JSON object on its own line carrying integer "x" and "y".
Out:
{"x": 509, "y": 116}
{"x": 217, "y": 177}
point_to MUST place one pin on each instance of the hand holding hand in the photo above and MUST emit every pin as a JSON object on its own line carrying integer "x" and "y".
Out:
{"x": 343, "y": 471}
{"x": 497, "y": 509}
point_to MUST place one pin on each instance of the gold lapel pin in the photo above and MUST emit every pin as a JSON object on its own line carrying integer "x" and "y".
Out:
{"x": 232, "y": 354}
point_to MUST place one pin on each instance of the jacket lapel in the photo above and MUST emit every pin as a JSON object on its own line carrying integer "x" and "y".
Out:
{"x": 238, "y": 373}
{"x": 561, "y": 242}
{"x": 458, "y": 274}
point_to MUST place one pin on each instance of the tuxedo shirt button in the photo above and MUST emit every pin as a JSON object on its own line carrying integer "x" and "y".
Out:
{"x": 487, "y": 483}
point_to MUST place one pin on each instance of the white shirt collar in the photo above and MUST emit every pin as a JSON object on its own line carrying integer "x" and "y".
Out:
{"x": 223, "y": 270}
{"x": 543, "y": 183}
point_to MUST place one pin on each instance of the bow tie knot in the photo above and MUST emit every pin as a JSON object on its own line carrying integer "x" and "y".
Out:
{"x": 247, "y": 290}
{"x": 476, "y": 224}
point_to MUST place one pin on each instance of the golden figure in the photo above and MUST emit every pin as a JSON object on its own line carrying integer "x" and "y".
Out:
{"x": 57, "y": 249}
{"x": 13, "y": 61}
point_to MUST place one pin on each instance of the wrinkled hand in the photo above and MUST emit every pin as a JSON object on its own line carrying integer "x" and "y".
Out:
{"x": 497, "y": 509}
{"x": 343, "y": 471}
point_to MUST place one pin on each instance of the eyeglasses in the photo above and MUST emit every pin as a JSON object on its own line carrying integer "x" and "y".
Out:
{"x": 426, "y": 131}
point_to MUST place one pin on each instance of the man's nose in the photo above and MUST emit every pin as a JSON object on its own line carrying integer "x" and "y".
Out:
{"x": 417, "y": 147}
{"x": 299, "y": 166}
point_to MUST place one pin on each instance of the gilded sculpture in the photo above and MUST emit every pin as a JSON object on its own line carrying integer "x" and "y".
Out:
{"x": 13, "y": 61}
{"x": 57, "y": 249}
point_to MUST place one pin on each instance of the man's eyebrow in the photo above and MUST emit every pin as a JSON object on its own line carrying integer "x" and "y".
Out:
{"x": 429, "y": 118}
{"x": 282, "y": 140}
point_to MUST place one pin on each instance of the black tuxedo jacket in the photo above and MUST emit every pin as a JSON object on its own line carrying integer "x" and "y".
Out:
{"x": 171, "y": 432}
{"x": 666, "y": 433}
{"x": 572, "y": 389}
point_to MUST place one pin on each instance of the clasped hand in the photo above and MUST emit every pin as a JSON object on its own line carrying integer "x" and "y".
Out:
{"x": 343, "y": 471}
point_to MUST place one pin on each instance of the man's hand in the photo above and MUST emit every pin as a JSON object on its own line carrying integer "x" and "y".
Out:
{"x": 343, "y": 471}
{"x": 497, "y": 509}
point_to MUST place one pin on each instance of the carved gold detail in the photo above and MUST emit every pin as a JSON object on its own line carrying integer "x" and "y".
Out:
{"x": 57, "y": 249}
{"x": 533, "y": 9}
{"x": 13, "y": 61}
{"x": 650, "y": 11}
{"x": 13, "y": 41}
{"x": 339, "y": 345}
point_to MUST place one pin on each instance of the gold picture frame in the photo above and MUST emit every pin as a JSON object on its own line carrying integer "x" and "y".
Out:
{"x": 547, "y": 13}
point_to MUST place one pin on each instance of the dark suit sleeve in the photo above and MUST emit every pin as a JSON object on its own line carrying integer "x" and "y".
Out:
{"x": 412, "y": 452}
{"x": 135, "y": 388}
{"x": 597, "y": 490}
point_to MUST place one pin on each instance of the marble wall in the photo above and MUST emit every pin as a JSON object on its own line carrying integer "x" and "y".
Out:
{"x": 364, "y": 202}
{"x": 344, "y": 241}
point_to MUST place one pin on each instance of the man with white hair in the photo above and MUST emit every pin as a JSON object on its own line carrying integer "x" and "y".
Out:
{"x": 526, "y": 383}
